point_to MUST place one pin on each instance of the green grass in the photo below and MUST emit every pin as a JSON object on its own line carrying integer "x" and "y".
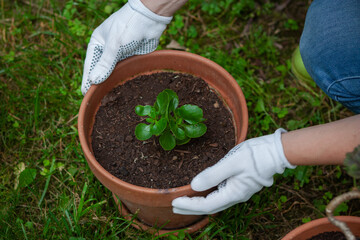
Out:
{"x": 47, "y": 190}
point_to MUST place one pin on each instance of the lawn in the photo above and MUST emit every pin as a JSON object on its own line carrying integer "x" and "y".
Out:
{"x": 47, "y": 190}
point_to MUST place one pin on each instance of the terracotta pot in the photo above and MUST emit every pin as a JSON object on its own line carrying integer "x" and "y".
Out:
{"x": 153, "y": 206}
{"x": 322, "y": 225}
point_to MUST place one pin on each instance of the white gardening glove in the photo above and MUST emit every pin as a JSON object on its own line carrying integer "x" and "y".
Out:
{"x": 242, "y": 172}
{"x": 132, "y": 30}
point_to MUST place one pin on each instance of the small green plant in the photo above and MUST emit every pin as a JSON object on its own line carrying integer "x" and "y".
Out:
{"x": 352, "y": 166}
{"x": 174, "y": 125}
{"x": 352, "y": 163}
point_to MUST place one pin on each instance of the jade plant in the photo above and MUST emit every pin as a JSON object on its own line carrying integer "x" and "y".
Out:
{"x": 173, "y": 125}
{"x": 352, "y": 167}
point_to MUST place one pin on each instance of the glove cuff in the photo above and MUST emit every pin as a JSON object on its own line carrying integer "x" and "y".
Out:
{"x": 280, "y": 149}
{"x": 139, "y": 7}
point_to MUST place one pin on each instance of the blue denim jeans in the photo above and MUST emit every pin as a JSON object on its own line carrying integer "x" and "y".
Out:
{"x": 330, "y": 49}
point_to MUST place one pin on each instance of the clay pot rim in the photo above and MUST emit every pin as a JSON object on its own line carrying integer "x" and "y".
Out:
{"x": 313, "y": 224}
{"x": 171, "y": 53}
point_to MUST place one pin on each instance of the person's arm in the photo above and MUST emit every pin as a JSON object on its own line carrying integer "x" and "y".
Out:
{"x": 325, "y": 144}
{"x": 165, "y": 8}
{"x": 251, "y": 165}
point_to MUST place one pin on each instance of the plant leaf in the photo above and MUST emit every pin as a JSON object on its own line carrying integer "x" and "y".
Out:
{"x": 153, "y": 113}
{"x": 183, "y": 141}
{"x": 167, "y": 141}
{"x": 191, "y": 113}
{"x": 177, "y": 131}
{"x": 162, "y": 102}
{"x": 159, "y": 127}
{"x": 142, "y": 131}
{"x": 150, "y": 120}
{"x": 352, "y": 163}
{"x": 195, "y": 130}
{"x": 260, "y": 106}
{"x": 26, "y": 177}
{"x": 143, "y": 110}
{"x": 173, "y": 99}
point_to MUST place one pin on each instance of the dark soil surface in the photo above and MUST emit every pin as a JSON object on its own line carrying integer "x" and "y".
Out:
{"x": 145, "y": 163}
{"x": 330, "y": 236}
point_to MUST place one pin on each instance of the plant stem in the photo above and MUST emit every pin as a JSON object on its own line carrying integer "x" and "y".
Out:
{"x": 47, "y": 181}
{"x": 336, "y": 202}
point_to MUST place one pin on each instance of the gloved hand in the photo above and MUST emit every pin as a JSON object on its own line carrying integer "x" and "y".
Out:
{"x": 242, "y": 172}
{"x": 132, "y": 30}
